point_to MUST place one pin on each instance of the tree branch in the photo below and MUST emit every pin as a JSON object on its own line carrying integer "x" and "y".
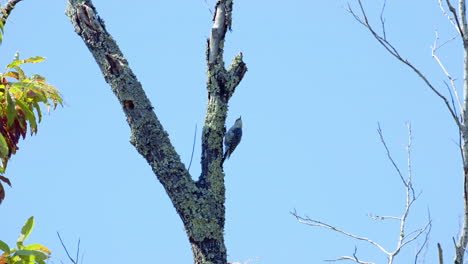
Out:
{"x": 147, "y": 134}
{"x": 447, "y": 74}
{"x": 455, "y": 21}
{"x": 393, "y": 51}
{"x": 403, "y": 238}
{"x": 313, "y": 222}
{"x": 440, "y": 253}
{"x": 9, "y": 6}
{"x": 221, "y": 85}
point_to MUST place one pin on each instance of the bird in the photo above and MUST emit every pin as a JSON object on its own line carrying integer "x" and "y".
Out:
{"x": 232, "y": 138}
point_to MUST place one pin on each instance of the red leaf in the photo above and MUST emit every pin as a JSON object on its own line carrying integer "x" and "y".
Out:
{"x": 2, "y": 193}
{"x": 5, "y": 179}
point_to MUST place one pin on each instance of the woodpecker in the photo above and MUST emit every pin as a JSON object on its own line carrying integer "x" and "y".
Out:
{"x": 232, "y": 138}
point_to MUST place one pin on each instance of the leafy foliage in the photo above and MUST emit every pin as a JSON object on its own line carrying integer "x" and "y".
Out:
{"x": 20, "y": 99}
{"x": 31, "y": 254}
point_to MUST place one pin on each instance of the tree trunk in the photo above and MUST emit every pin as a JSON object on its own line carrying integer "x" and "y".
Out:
{"x": 200, "y": 204}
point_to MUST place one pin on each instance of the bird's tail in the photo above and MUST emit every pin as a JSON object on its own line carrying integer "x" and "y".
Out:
{"x": 224, "y": 157}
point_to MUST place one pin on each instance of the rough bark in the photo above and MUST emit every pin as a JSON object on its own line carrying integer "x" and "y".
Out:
{"x": 200, "y": 204}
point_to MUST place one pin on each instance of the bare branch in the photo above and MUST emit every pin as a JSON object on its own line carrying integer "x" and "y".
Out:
{"x": 382, "y": 19}
{"x": 441, "y": 254}
{"x": 66, "y": 251}
{"x": 462, "y": 24}
{"x": 416, "y": 233}
{"x": 313, "y": 222}
{"x": 426, "y": 240}
{"x": 382, "y": 140}
{"x": 447, "y": 74}
{"x": 377, "y": 217}
{"x": 403, "y": 238}
{"x": 454, "y": 20}
{"x": 393, "y": 51}
{"x": 350, "y": 258}
{"x": 408, "y": 153}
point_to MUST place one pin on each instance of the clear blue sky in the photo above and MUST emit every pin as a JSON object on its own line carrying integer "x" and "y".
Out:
{"x": 316, "y": 87}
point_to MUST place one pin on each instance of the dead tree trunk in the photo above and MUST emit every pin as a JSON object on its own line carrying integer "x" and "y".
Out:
{"x": 200, "y": 204}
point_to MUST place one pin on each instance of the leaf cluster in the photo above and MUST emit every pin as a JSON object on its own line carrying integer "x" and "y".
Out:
{"x": 20, "y": 100}
{"x": 30, "y": 254}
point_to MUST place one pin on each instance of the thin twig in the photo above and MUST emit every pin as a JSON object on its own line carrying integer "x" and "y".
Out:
{"x": 408, "y": 153}
{"x": 382, "y": 140}
{"x": 447, "y": 74}
{"x": 313, "y": 222}
{"x": 382, "y": 19}
{"x": 208, "y": 6}
{"x": 65, "y": 248}
{"x": 425, "y": 242}
{"x": 193, "y": 147}
{"x": 377, "y": 217}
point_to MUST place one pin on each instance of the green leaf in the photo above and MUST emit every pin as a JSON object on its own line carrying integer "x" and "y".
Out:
{"x": 3, "y": 146}
{"x": 38, "y": 110}
{"x": 21, "y": 74}
{"x": 34, "y": 59}
{"x": 4, "y": 247}
{"x": 21, "y": 85}
{"x": 38, "y": 247}
{"x": 15, "y": 63}
{"x": 28, "y": 114}
{"x": 31, "y": 254}
{"x": 26, "y": 230}
{"x": 11, "y": 112}
{"x": 37, "y": 77}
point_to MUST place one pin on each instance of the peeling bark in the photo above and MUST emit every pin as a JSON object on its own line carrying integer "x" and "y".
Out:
{"x": 200, "y": 204}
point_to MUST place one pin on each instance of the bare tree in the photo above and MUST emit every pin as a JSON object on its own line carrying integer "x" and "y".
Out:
{"x": 456, "y": 105}
{"x": 458, "y": 19}
{"x": 200, "y": 204}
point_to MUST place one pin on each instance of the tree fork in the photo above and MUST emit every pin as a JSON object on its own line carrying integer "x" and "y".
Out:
{"x": 200, "y": 204}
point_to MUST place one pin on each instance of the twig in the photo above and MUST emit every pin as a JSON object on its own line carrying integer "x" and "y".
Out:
{"x": 426, "y": 240}
{"x": 377, "y": 217}
{"x": 353, "y": 258}
{"x": 66, "y": 250}
{"x": 313, "y": 222}
{"x": 382, "y": 140}
{"x": 193, "y": 147}
{"x": 382, "y": 19}
{"x": 447, "y": 74}
{"x": 208, "y": 6}
{"x": 408, "y": 153}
